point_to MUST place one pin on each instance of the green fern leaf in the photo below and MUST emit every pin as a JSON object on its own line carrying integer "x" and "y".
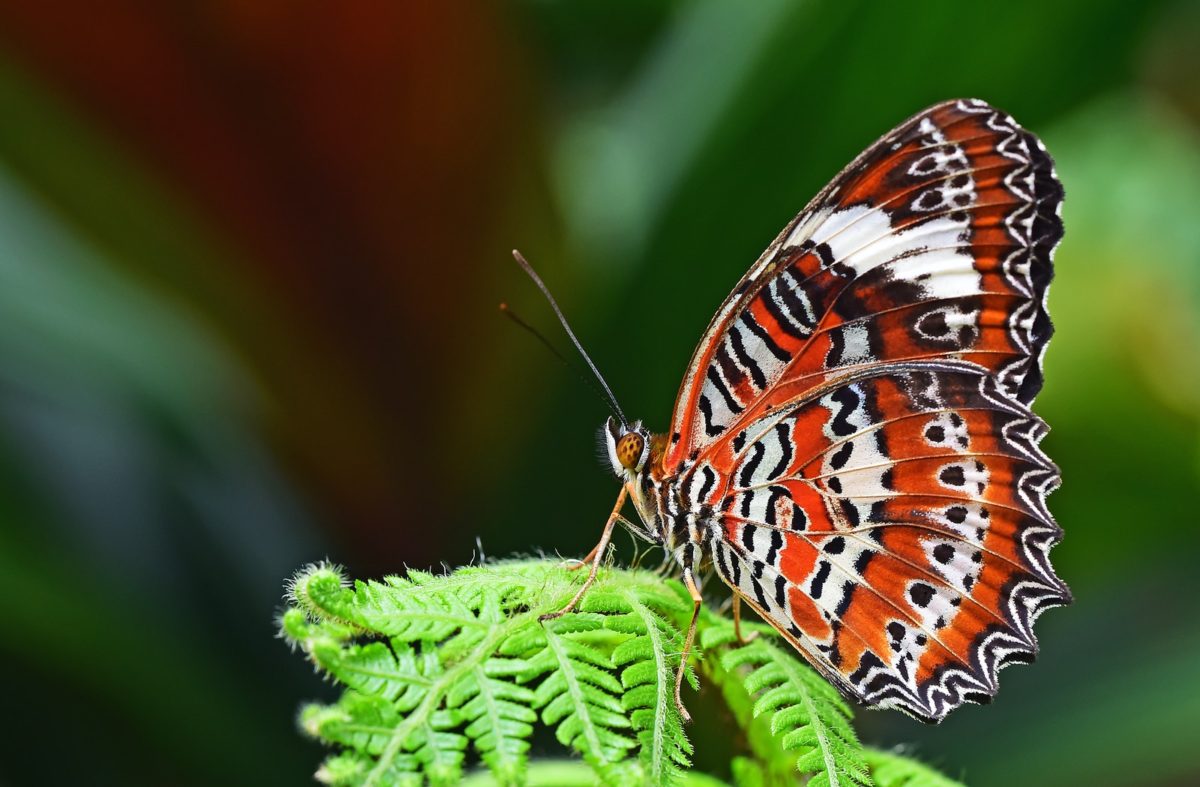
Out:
{"x": 439, "y": 749}
{"x": 649, "y": 659}
{"x": 499, "y": 718}
{"x": 807, "y": 714}
{"x": 579, "y": 696}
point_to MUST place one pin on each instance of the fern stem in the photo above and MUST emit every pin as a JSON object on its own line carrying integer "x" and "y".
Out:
{"x": 495, "y": 718}
{"x": 662, "y": 701}
{"x": 823, "y": 742}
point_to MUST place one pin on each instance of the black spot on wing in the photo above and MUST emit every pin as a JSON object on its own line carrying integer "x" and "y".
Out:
{"x": 722, "y": 560}
{"x": 774, "y": 495}
{"x": 824, "y": 254}
{"x": 952, "y": 476}
{"x": 847, "y": 400}
{"x": 837, "y": 348}
{"x": 730, "y": 369}
{"x": 747, "y": 499}
{"x": 706, "y": 486}
{"x": 841, "y": 456}
{"x": 835, "y": 545}
{"x": 920, "y": 593}
{"x": 818, "y": 582}
{"x": 739, "y": 441}
{"x": 848, "y": 589}
{"x": 748, "y": 532}
{"x": 850, "y": 512}
{"x": 776, "y": 545}
{"x": 758, "y": 591}
{"x": 863, "y": 560}
{"x": 866, "y": 664}
{"x": 710, "y": 429}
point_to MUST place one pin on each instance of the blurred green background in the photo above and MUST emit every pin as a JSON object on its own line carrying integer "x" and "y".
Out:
{"x": 250, "y": 254}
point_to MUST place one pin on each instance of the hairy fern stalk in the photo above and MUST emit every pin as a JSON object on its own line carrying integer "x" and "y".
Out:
{"x": 443, "y": 673}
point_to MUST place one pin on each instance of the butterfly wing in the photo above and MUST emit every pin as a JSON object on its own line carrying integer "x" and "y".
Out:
{"x": 856, "y": 420}
{"x": 894, "y": 526}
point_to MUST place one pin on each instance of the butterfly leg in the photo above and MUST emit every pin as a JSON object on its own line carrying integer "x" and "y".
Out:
{"x": 697, "y": 600}
{"x": 576, "y": 564}
{"x": 737, "y": 622}
{"x": 594, "y": 557}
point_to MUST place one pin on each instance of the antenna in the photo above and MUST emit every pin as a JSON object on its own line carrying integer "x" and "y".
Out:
{"x": 608, "y": 394}
{"x": 508, "y": 312}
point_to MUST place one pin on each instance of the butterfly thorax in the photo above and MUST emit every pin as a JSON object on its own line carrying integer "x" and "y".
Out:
{"x": 637, "y": 461}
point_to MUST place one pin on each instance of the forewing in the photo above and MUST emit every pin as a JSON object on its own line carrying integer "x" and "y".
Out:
{"x": 935, "y": 243}
{"x": 894, "y": 528}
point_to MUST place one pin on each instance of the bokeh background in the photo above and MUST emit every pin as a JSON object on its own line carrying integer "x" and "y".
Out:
{"x": 250, "y": 256}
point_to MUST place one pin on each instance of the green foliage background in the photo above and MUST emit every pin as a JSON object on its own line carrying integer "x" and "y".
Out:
{"x": 249, "y": 261}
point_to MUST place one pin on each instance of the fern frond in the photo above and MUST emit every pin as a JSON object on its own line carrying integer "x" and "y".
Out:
{"x": 648, "y": 662}
{"x": 438, "y": 667}
{"x": 579, "y": 695}
{"x": 499, "y": 718}
{"x": 806, "y": 713}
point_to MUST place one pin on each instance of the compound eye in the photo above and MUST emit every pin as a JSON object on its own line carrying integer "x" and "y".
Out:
{"x": 629, "y": 450}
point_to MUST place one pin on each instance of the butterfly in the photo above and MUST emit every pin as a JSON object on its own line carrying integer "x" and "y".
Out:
{"x": 852, "y": 449}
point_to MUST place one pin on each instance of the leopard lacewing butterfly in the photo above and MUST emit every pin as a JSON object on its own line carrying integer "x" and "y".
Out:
{"x": 852, "y": 450}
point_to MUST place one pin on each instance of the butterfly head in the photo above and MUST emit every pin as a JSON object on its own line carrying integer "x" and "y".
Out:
{"x": 628, "y": 448}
